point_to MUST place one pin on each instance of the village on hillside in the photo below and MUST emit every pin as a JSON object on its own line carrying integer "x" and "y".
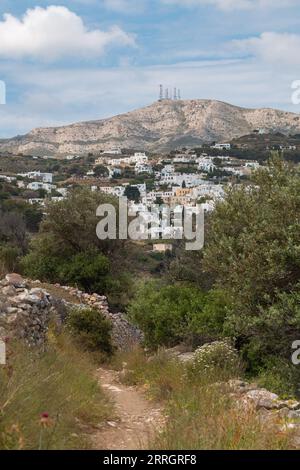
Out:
{"x": 180, "y": 178}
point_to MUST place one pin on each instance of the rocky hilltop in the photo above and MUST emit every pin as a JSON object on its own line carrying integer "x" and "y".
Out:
{"x": 161, "y": 126}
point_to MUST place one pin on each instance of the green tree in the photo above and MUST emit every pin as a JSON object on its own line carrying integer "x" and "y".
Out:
{"x": 101, "y": 170}
{"x": 253, "y": 251}
{"x": 159, "y": 201}
{"x": 72, "y": 222}
{"x": 42, "y": 193}
{"x": 67, "y": 249}
{"x": 132, "y": 193}
{"x": 88, "y": 270}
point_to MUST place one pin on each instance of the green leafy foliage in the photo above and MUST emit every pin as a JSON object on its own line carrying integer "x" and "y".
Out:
{"x": 253, "y": 251}
{"x": 67, "y": 250}
{"x": 9, "y": 258}
{"x": 172, "y": 314}
{"x": 101, "y": 170}
{"x": 88, "y": 270}
{"x": 91, "y": 329}
{"x": 132, "y": 193}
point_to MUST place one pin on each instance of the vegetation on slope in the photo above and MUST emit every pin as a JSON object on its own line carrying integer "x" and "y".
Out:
{"x": 251, "y": 258}
{"x": 200, "y": 414}
{"x": 49, "y": 399}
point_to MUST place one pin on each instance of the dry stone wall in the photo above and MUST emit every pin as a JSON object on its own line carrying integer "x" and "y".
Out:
{"x": 125, "y": 335}
{"x": 25, "y": 312}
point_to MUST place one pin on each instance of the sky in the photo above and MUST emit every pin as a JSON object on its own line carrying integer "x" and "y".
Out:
{"x": 65, "y": 61}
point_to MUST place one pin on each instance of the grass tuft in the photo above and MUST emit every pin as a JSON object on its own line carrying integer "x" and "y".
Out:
{"x": 49, "y": 399}
{"x": 201, "y": 413}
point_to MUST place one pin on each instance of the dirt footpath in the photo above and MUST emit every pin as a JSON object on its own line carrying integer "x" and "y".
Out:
{"x": 137, "y": 420}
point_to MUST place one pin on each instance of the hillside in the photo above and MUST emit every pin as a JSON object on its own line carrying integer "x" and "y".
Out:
{"x": 161, "y": 126}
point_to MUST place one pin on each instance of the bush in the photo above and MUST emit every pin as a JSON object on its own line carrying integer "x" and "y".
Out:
{"x": 274, "y": 331}
{"x": 44, "y": 258}
{"x": 9, "y": 259}
{"x": 218, "y": 356}
{"x": 119, "y": 289}
{"x": 88, "y": 271}
{"x": 169, "y": 315}
{"x": 91, "y": 330}
{"x": 280, "y": 376}
{"x": 210, "y": 324}
{"x": 166, "y": 314}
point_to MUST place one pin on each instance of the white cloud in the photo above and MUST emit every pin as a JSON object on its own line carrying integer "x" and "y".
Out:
{"x": 270, "y": 47}
{"x": 54, "y": 32}
{"x": 234, "y": 4}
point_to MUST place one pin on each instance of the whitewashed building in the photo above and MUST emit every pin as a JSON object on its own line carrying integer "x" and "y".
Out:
{"x": 143, "y": 168}
{"x": 222, "y": 146}
{"x": 39, "y": 176}
{"x": 36, "y": 185}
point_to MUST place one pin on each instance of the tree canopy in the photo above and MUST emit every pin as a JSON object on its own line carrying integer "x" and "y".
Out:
{"x": 253, "y": 252}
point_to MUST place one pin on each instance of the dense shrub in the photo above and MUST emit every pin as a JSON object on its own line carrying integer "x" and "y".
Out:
{"x": 87, "y": 270}
{"x": 9, "y": 259}
{"x": 91, "y": 330}
{"x": 209, "y": 325}
{"x": 172, "y": 314}
{"x": 218, "y": 356}
{"x": 280, "y": 376}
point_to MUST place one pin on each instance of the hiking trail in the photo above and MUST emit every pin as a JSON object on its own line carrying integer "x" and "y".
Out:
{"x": 137, "y": 420}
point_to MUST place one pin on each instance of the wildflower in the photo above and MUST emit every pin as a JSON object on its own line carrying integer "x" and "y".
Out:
{"x": 45, "y": 420}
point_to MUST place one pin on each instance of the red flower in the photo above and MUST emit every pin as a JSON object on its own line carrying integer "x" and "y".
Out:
{"x": 45, "y": 420}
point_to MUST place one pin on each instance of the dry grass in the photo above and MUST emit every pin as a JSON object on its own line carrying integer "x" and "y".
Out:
{"x": 49, "y": 399}
{"x": 200, "y": 415}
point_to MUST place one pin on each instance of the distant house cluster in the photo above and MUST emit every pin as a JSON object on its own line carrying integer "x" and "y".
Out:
{"x": 180, "y": 179}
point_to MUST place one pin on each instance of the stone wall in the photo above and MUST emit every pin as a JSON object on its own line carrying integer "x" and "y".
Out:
{"x": 125, "y": 335}
{"x": 26, "y": 312}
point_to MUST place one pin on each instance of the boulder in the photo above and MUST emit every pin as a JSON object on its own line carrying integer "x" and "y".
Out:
{"x": 15, "y": 280}
{"x": 264, "y": 399}
{"x": 9, "y": 290}
{"x": 186, "y": 357}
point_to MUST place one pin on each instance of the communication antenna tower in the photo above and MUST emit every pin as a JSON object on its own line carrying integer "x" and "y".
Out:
{"x": 161, "y": 93}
